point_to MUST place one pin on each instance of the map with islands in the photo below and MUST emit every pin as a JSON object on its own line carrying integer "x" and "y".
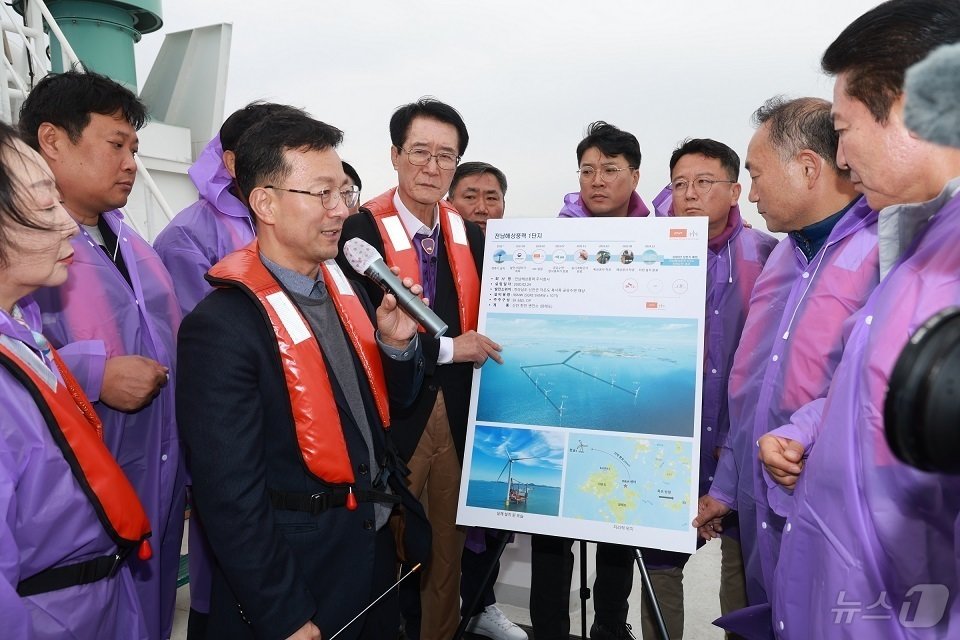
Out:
{"x": 628, "y": 480}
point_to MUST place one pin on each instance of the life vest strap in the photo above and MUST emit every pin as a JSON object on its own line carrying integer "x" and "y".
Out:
{"x": 317, "y": 503}
{"x": 71, "y": 575}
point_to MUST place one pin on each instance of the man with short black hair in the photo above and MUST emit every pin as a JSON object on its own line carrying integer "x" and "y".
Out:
{"x": 287, "y": 387}
{"x": 219, "y": 222}
{"x": 115, "y": 319}
{"x": 609, "y": 170}
{"x": 414, "y": 228}
{"x": 866, "y": 533}
{"x": 197, "y": 238}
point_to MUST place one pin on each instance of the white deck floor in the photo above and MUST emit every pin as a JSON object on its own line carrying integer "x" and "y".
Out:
{"x": 701, "y": 584}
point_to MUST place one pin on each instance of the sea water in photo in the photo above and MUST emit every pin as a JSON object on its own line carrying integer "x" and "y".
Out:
{"x": 516, "y": 469}
{"x": 634, "y": 375}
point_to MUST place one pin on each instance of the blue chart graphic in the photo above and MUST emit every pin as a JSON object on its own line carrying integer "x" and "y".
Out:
{"x": 633, "y": 375}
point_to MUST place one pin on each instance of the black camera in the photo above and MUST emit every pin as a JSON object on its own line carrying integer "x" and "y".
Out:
{"x": 922, "y": 409}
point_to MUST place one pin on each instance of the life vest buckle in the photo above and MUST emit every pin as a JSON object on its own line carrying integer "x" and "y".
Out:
{"x": 319, "y": 502}
{"x": 117, "y": 561}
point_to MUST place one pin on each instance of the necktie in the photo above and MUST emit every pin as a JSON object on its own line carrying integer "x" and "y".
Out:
{"x": 426, "y": 246}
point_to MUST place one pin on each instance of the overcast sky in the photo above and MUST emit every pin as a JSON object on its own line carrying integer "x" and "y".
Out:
{"x": 526, "y": 76}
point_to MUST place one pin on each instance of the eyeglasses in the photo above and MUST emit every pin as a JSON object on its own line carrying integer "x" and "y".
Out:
{"x": 701, "y": 185}
{"x": 421, "y": 157}
{"x": 328, "y": 197}
{"x": 608, "y": 173}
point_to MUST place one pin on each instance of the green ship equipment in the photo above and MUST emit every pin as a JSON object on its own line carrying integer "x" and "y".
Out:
{"x": 102, "y": 33}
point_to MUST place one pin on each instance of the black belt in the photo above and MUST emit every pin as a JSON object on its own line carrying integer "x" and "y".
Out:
{"x": 70, "y": 575}
{"x": 317, "y": 503}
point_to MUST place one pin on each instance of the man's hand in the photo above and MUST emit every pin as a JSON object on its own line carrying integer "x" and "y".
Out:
{"x": 476, "y": 348}
{"x": 396, "y": 327}
{"x": 710, "y": 512}
{"x": 308, "y": 631}
{"x": 132, "y": 382}
{"x": 782, "y": 458}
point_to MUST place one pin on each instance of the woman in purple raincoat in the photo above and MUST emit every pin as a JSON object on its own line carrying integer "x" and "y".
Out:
{"x": 48, "y": 521}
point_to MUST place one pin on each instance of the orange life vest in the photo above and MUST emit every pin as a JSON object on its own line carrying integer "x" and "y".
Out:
{"x": 315, "y": 413}
{"x": 78, "y": 432}
{"x": 400, "y": 253}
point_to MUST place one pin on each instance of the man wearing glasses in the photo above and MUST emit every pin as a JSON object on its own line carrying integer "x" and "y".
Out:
{"x": 609, "y": 161}
{"x": 419, "y": 232}
{"x": 197, "y": 238}
{"x": 703, "y": 176}
{"x": 293, "y": 471}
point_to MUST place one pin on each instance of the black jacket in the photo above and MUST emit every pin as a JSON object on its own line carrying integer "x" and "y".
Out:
{"x": 274, "y": 569}
{"x": 454, "y": 379}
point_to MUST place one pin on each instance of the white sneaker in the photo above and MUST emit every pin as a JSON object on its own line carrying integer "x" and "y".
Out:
{"x": 494, "y": 625}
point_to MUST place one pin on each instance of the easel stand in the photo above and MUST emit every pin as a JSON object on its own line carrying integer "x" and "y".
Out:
{"x": 584, "y": 590}
{"x": 651, "y": 596}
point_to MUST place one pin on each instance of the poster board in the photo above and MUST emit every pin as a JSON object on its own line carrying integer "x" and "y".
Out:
{"x": 591, "y": 427}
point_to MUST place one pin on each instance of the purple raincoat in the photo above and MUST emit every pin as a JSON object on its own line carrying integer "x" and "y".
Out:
{"x": 202, "y": 234}
{"x": 734, "y": 261}
{"x": 47, "y": 520}
{"x": 790, "y": 347}
{"x": 197, "y": 238}
{"x": 96, "y": 315}
{"x": 870, "y": 546}
{"x": 573, "y": 207}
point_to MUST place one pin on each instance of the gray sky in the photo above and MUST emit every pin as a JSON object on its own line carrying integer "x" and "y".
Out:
{"x": 526, "y": 76}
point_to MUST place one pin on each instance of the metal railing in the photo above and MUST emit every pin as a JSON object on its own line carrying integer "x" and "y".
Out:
{"x": 33, "y": 42}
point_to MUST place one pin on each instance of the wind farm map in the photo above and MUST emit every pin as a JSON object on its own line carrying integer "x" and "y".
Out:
{"x": 590, "y": 427}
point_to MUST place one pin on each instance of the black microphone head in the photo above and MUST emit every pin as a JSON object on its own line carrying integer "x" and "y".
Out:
{"x": 932, "y": 88}
{"x": 360, "y": 254}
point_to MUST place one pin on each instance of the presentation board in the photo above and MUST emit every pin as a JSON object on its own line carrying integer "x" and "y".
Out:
{"x": 590, "y": 429}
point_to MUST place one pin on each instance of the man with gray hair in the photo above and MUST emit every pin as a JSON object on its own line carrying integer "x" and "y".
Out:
{"x": 477, "y": 191}
{"x": 872, "y": 543}
{"x": 792, "y": 340}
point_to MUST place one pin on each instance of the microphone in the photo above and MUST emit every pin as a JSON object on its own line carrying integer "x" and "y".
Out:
{"x": 932, "y": 87}
{"x": 366, "y": 261}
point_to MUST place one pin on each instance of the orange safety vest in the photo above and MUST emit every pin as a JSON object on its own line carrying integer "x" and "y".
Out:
{"x": 315, "y": 413}
{"x": 78, "y": 432}
{"x": 400, "y": 253}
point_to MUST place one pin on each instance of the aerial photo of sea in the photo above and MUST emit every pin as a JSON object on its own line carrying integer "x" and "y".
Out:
{"x": 516, "y": 470}
{"x": 634, "y": 375}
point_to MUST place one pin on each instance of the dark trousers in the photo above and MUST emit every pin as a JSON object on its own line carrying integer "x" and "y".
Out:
{"x": 383, "y": 619}
{"x": 551, "y": 572}
{"x": 473, "y": 567}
